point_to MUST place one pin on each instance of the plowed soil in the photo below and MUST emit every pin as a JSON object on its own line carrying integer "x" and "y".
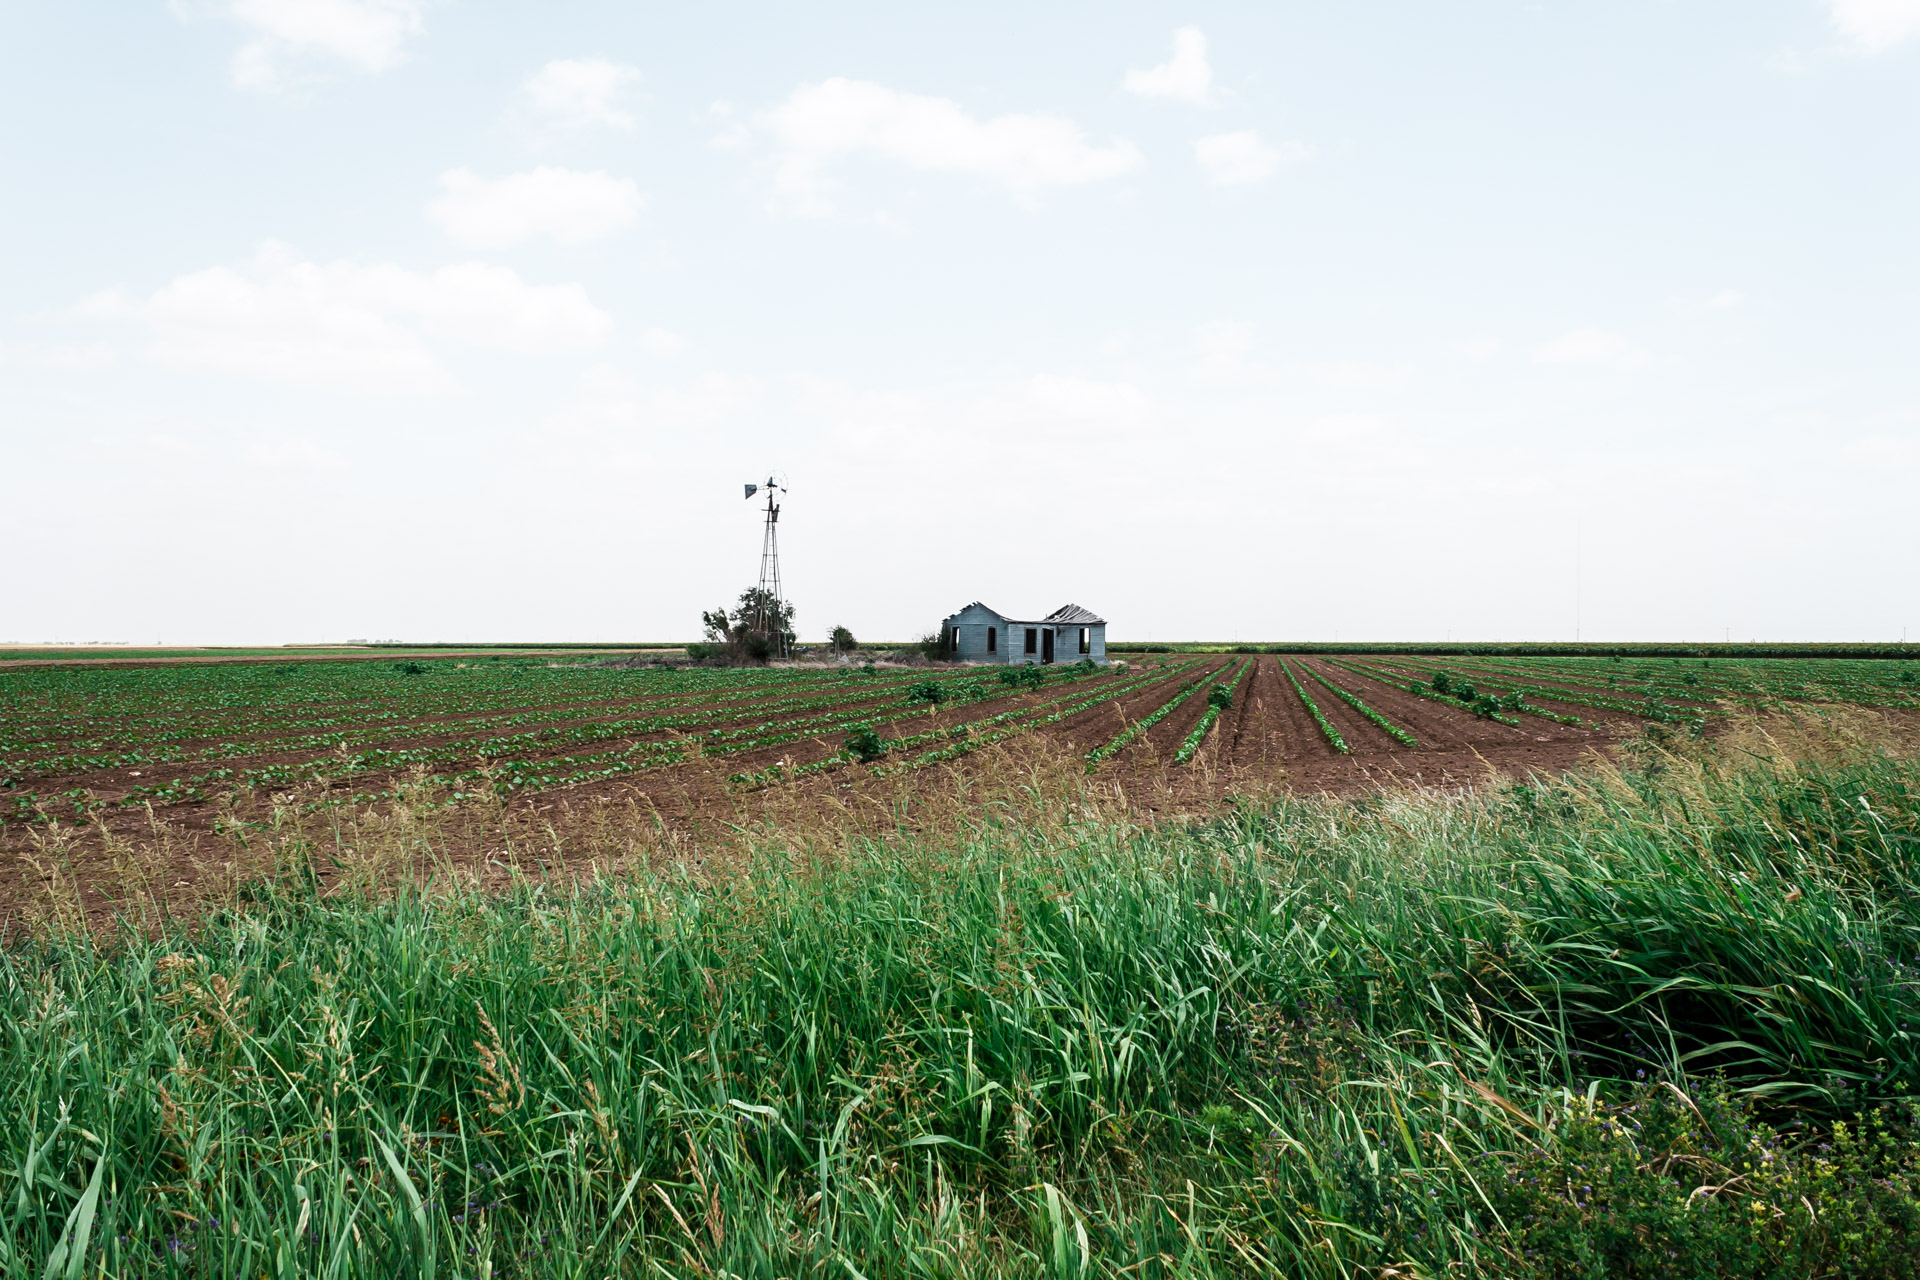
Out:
{"x": 1268, "y": 737}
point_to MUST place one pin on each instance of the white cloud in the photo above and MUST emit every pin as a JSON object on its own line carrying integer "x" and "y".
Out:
{"x": 1235, "y": 159}
{"x": 663, "y": 342}
{"x": 1222, "y": 347}
{"x": 605, "y": 410}
{"x": 1185, "y": 76}
{"x": 293, "y": 453}
{"x": 1054, "y": 397}
{"x": 1874, "y": 26}
{"x": 825, "y": 123}
{"x": 1726, "y": 300}
{"x": 65, "y": 357}
{"x": 367, "y": 35}
{"x": 579, "y": 92}
{"x": 346, "y": 325}
{"x": 614, "y": 423}
{"x": 1591, "y": 347}
{"x": 1359, "y": 375}
{"x": 1886, "y": 452}
{"x": 567, "y": 204}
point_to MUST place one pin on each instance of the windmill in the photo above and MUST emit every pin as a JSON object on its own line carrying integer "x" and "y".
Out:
{"x": 768, "y": 600}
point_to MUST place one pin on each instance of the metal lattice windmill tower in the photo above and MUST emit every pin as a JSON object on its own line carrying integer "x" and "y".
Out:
{"x": 770, "y": 596}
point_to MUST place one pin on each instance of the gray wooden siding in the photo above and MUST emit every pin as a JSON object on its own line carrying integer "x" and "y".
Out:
{"x": 970, "y": 628}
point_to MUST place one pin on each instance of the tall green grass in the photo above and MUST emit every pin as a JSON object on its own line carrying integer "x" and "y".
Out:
{"x": 1310, "y": 1038}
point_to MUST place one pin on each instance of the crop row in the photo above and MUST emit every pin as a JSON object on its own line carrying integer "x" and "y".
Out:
{"x": 1863, "y": 683}
{"x": 1319, "y": 717}
{"x": 1485, "y": 706}
{"x": 1353, "y": 700}
{"x": 968, "y": 736}
{"x": 1510, "y": 696}
{"x": 1444, "y": 682}
{"x": 545, "y": 712}
{"x": 509, "y": 775}
{"x": 959, "y": 693}
{"x": 1557, "y": 688}
{"x": 1059, "y": 713}
{"x": 1219, "y": 698}
{"x": 450, "y": 690}
{"x": 1146, "y": 722}
{"x": 280, "y": 776}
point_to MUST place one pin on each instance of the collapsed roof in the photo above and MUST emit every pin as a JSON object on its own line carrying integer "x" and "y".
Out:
{"x": 1067, "y": 615}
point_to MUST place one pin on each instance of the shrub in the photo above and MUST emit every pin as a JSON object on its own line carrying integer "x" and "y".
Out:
{"x": 1442, "y": 682}
{"x": 1220, "y": 696}
{"x": 1027, "y": 674}
{"x": 842, "y": 640}
{"x": 864, "y": 745}
{"x": 1663, "y": 1185}
{"x": 409, "y": 668}
{"x": 757, "y": 629}
{"x": 928, "y": 691}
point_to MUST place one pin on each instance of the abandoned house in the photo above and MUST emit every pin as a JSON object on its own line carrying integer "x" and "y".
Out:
{"x": 1068, "y": 634}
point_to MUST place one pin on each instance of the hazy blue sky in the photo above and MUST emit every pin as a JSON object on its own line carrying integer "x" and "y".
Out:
{"x": 395, "y": 319}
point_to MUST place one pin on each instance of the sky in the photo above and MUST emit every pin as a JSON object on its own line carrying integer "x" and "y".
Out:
{"x": 427, "y": 321}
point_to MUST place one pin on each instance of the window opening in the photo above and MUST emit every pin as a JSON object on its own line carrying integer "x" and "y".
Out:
{"x": 993, "y": 638}
{"x": 1033, "y": 639}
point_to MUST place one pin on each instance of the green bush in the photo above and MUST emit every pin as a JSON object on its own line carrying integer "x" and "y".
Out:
{"x": 1220, "y": 696}
{"x": 1671, "y": 1185}
{"x": 1025, "y": 675}
{"x": 928, "y": 691}
{"x": 864, "y": 745}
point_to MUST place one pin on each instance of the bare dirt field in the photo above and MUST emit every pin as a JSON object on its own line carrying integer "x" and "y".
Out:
{"x": 174, "y": 783}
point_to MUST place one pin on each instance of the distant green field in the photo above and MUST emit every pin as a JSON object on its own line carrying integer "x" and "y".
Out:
{"x": 117, "y": 653}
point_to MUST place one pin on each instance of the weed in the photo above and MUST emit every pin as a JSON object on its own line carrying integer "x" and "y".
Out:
{"x": 864, "y": 745}
{"x": 928, "y": 691}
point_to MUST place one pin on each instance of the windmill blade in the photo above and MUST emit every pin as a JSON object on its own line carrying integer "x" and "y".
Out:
{"x": 752, "y": 489}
